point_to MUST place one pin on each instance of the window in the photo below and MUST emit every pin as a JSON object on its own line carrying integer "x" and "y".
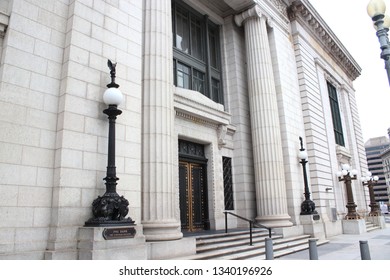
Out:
{"x": 334, "y": 106}
{"x": 228, "y": 183}
{"x": 196, "y": 52}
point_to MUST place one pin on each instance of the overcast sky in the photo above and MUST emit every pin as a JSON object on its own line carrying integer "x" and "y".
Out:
{"x": 349, "y": 21}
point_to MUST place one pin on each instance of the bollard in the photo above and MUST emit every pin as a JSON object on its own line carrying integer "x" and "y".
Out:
{"x": 269, "y": 250}
{"x": 313, "y": 254}
{"x": 364, "y": 250}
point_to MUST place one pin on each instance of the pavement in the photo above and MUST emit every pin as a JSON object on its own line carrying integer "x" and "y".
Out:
{"x": 347, "y": 246}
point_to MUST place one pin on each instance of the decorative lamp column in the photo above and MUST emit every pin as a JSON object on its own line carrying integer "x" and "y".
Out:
{"x": 370, "y": 182}
{"x": 376, "y": 10}
{"x": 111, "y": 209}
{"x": 308, "y": 206}
{"x": 347, "y": 175}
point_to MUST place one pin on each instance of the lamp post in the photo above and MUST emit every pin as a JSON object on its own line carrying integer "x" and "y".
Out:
{"x": 376, "y": 10}
{"x": 347, "y": 175}
{"x": 111, "y": 209}
{"x": 307, "y": 206}
{"x": 370, "y": 182}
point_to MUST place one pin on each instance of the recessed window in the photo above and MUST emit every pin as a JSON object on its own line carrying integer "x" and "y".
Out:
{"x": 196, "y": 52}
{"x": 336, "y": 117}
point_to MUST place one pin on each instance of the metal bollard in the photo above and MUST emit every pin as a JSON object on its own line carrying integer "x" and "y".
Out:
{"x": 269, "y": 250}
{"x": 364, "y": 250}
{"x": 313, "y": 253}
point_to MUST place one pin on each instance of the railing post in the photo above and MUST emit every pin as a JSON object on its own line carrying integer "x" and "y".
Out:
{"x": 269, "y": 250}
{"x": 364, "y": 250}
{"x": 250, "y": 232}
{"x": 269, "y": 233}
{"x": 313, "y": 253}
{"x": 226, "y": 222}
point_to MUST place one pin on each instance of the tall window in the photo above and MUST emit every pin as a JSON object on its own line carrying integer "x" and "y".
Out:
{"x": 334, "y": 106}
{"x": 196, "y": 52}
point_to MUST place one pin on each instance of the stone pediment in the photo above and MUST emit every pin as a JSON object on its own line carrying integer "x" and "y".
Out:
{"x": 305, "y": 13}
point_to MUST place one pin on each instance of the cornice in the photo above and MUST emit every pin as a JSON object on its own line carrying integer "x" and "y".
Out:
{"x": 303, "y": 11}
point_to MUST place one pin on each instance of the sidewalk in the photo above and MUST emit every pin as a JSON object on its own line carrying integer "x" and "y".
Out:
{"x": 346, "y": 246}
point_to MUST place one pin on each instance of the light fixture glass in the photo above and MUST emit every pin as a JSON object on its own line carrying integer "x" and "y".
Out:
{"x": 376, "y": 178}
{"x": 112, "y": 96}
{"x": 346, "y": 166}
{"x": 376, "y": 7}
{"x": 303, "y": 155}
{"x": 344, "y": 172}
{"x": 354, "y": 172}
{"x": 339, "y": 174}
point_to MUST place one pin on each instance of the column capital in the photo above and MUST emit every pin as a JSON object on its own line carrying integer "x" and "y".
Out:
{"x": 253, "y": 12}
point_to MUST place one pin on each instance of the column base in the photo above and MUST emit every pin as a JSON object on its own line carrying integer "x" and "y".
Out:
{"x": 162, "y": 231}
{"x": 93, "y": 245}
{"x": 275, "y": 221}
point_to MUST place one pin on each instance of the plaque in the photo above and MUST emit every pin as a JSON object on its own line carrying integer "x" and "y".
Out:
{"x": 119, "y": 233}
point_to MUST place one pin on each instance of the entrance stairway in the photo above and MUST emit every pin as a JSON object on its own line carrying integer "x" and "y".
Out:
{"x": 235, "y": 246}
{"x": 371, "y": 226}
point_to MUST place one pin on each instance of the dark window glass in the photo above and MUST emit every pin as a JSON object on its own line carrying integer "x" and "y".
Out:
{"x": 213, "y": 45}
{"x": 182, "y": 31}
{"x": 336, "y": 117}
{"x": 183, "y": 75}
{"x": 198, "y": 81}
{"x": 196, "y": 39}
{"x": 228, "y": 183}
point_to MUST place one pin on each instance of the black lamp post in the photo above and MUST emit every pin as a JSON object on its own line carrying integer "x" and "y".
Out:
{"x": 376, "y": 10}
{"x": 370, "y": 182}
{"x": 308, "y": 206}
{"x": 347, "y": 175}
{"x": 111, "y": 209}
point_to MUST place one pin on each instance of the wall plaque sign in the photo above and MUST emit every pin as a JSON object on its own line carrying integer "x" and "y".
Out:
{"x": 119, "y": 233}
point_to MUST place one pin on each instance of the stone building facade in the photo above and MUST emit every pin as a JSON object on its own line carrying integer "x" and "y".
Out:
{"x": 217, "y": 94}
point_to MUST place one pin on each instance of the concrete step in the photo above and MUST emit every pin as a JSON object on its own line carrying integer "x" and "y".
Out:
{"x": 371, "y": 226}
{"x": 235, "y": 246}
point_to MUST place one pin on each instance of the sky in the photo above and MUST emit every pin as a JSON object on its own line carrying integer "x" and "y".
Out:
{"x": 350, "y": 22}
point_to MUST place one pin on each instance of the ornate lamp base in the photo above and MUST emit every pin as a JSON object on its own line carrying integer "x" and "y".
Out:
{"x": 352, "y": 214}
{"x": 110, "y": 210}
{"x": 308, "y": 207}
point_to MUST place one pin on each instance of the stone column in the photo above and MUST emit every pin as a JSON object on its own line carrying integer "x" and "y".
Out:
{"x": 271, "y": 198}
{"x": 158, "y": 188}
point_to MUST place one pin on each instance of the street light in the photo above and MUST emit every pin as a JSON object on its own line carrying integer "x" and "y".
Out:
{"x": 370, "y": 182}
{"x": 376, "y": 10}
{"x": 307, "y": 206}
{"x": 111, "y": 209}
{"x": 347, "y": 175}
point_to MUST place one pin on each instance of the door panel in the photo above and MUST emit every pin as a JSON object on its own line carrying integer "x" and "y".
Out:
{"x": 193, "y": 198}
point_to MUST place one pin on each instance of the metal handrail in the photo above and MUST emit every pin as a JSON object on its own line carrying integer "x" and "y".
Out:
{"x": 251, "y": 225}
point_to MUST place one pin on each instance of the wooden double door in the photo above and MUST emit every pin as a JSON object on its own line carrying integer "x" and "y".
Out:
{"x": 193, "y": 196}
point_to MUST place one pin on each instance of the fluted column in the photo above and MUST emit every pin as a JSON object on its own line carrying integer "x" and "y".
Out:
{"x": 271, "y": 197}
{"x": 158, "y": 192}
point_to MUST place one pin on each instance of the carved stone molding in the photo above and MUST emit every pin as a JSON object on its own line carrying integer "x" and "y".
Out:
{"x": 222, "y": 130}
{"x": 305, "y": 13}
{"x": 250, "y": 13}
{"x": 281, "y": 7}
